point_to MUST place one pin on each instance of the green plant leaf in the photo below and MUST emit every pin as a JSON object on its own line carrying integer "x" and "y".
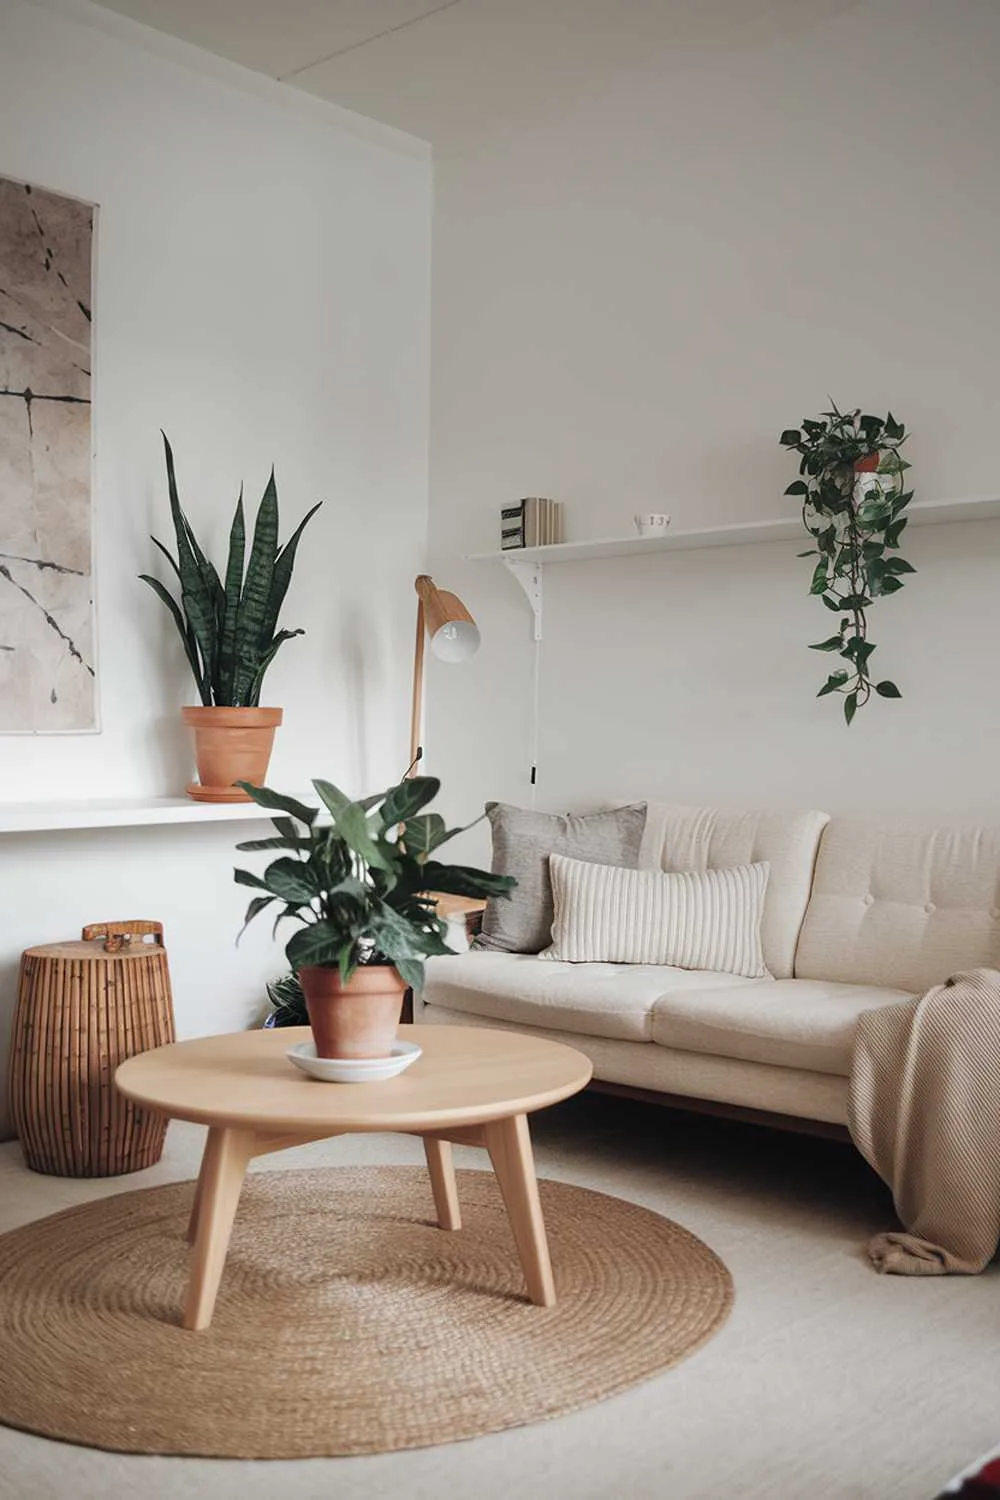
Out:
{"x": 257, "y": 905}
{"x": 850, "y": 706}
{"x": 352, "y": 825}
{"x": 406, "y": 799}
{"x": 277, "y": 801}
{"x": 855, "y": 601}
{"x": 245, "y": 877}
{"x": 283, "y": 564}
{"x": 294, "y": 880}
{"x": 186, "y": 634}
{"x": 333, "y": 798}
{"x": 199, "y": 672}
{"x": 790, "y": 437}
{"x": 411, "y": 972}
{"x": 197, "y": 595}
{"x": 834, "y": 643}
{"x": 253, "y": 689}
{"x": 400, "y": 938}
{"x": 887, "y": 689}
{"x": 318, "y": 944}
{"x": 463, "y": 880}
{"x": 875, "y": 509}
{"x": 253, "y": 845}
{"x": 819, "y": 578}
{"x": 226, "y": 667}
{"x": 251, "y": 637}
{"x": 798, "y": 487}
{"x": 891, "y": 584}
{"x": 858, "y": 650}
{"x": 168, "y": 555}
{"x": 832, "y": 602}
{"x": 424, "y": 833}
{"x": 899, "y": 565}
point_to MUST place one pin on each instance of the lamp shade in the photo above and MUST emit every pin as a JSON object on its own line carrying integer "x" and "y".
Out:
{"x": 454, "y": 634}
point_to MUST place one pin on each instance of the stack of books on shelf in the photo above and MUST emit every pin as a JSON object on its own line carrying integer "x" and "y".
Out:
{"x": 534, "y": 522}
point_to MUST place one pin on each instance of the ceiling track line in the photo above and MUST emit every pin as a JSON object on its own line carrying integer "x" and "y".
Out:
{"x": 353, "y": 47}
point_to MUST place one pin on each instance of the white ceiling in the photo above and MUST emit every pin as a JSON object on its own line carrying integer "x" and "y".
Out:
{"x": 447, "y": 69}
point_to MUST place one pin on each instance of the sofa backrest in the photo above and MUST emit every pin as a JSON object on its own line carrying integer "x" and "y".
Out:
{"x": 901, "y": 904}
{"x": 709, "y": 838}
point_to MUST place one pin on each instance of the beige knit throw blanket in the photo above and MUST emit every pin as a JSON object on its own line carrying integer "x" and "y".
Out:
{"x": 924, "y": 1110}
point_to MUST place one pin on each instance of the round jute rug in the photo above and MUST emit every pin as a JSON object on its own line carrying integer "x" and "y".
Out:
{"x": 346, "y": 1322}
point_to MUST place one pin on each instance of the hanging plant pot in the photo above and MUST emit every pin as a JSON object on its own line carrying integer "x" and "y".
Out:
{"x": 869, "y": 483}
{"x": 356, "y": 1019}
{"x": 230, "y": 745}
{"x": 854, "y": 503}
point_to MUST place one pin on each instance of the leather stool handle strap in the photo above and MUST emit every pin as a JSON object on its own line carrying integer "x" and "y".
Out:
{"x": 117, "y": 934}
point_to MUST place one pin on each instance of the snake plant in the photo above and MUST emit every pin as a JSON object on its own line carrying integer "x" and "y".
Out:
{"x": 229, "y": 630}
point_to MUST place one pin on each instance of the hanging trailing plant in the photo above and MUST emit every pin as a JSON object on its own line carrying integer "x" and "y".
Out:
{"x": 853, "y": 505}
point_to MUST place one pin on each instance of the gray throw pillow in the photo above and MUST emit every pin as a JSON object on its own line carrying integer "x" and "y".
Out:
{"x": 522, "y": 843}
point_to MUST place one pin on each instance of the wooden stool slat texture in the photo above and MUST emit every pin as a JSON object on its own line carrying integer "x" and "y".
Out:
{"x": 83, "y": 1008}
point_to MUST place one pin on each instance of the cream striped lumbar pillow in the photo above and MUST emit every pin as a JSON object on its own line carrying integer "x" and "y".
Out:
{"x": 704, "y": 919}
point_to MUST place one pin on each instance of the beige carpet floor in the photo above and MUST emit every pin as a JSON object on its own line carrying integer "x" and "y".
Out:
{"x": 828, "y": 1382}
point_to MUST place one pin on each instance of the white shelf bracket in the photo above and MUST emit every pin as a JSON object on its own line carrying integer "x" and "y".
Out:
{"x": 529, "y": 576}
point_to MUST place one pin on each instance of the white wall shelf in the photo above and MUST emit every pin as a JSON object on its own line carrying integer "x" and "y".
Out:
{"x": 527, "y": 564}
{"x": 920, "y": 513}
{"x": 41, "y": 817}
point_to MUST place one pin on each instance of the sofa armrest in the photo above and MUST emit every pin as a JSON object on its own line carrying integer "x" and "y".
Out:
{"x": 464, "y": 908}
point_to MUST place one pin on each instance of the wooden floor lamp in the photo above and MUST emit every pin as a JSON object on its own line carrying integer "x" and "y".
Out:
{"x": 454, "y": 636}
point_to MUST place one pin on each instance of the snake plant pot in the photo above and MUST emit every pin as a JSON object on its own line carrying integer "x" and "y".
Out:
{"x": 356, "y": 1019}
{"x": 230, "y": 745}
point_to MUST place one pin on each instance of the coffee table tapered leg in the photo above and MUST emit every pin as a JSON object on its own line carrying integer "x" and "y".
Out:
{"x": 192, "y": 1229}
{"x": 509, "y": 1144}
{"x": 442, "y": 1172}
{"x": 224, "y": 1165}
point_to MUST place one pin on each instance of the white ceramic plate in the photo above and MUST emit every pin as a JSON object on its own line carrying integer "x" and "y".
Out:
{"x": 353, "y": 1069}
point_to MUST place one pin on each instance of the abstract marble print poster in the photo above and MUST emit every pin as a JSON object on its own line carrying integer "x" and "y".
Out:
{"x": 47, "y": 674}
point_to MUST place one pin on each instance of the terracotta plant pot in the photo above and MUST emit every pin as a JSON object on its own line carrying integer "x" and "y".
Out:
{"x": 230, "y": 745}
{"x": 358, "y": 1019}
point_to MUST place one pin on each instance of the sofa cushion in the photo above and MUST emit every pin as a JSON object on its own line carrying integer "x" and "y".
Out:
{"x": 904, "y": 904}
{"x": 689, "y": 919}
{"x": 696, "y": 1075}
{"x": 791, "y": 1023}
{"x": 609, "y": 1000}
{"x": 707, "y": 838}
{"x": 522, "y": 842}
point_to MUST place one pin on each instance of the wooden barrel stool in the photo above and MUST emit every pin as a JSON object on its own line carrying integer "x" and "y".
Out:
{"x": 83, "y": 1008}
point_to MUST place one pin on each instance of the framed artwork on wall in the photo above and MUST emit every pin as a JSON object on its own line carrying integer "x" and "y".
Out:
{"x": 48, "y": 681}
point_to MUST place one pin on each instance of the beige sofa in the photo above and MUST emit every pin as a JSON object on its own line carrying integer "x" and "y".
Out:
{"x": 858, "y": 914}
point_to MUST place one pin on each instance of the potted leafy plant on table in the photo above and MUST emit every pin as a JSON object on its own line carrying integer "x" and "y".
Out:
{"x": 360, "y": 887}
{"x": 230, "y": 636}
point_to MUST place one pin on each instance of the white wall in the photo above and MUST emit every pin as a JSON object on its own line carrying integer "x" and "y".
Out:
{"x": 262, "y": 294}
{"x": 633, "y": 295}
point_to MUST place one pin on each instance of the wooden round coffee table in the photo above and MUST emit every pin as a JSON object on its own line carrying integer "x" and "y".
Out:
{"x": 472, "y": 1086}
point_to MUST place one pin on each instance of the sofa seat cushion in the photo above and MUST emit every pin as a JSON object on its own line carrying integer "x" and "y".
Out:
{"x": 792, "y": 1023}
{"x": 609, "y": 1000}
